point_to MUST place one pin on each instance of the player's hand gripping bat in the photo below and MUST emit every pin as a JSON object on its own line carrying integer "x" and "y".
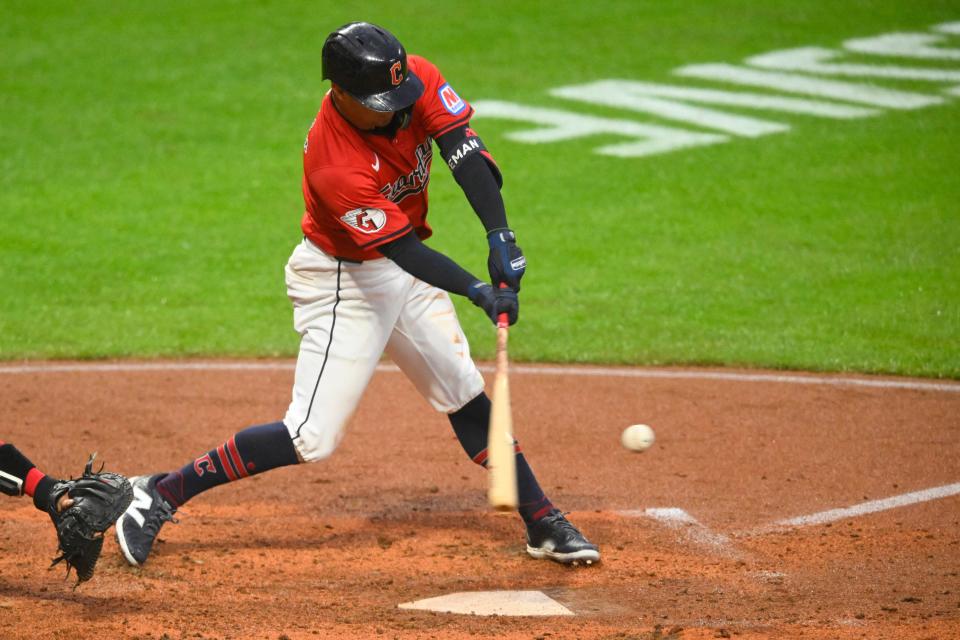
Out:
{"x": 501, "y": 460}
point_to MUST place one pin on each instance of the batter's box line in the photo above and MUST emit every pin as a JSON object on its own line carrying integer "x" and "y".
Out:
{"x": 697, "y": 533}
{"x": 862, "y": 509}
{"x": 691, "y": 528}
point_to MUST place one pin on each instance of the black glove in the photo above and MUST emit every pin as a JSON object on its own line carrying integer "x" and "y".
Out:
{"x": 98, "y": 500}
{"x": 495, "y": 301}
{"x": 506, "y": 262}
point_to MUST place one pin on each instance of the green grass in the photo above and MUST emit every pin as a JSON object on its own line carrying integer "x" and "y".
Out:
{"x": 150, "y": 186}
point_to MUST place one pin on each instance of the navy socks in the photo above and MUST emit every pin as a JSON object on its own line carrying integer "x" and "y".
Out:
{"x": 261, "y": 448}
{"x": 249, "y": 452}
{"x": 470, "y": 424}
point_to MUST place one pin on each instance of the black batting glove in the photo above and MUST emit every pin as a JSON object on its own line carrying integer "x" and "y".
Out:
{"x": 495, "y": 301}
{"x": 506, "y": 262}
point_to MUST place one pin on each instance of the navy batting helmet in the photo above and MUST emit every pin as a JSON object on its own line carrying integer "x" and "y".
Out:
{"x": 370, "y": 64}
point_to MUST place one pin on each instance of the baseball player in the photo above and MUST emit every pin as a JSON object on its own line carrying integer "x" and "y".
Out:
{"x": 81, "y": 510}
{"x": 363, "y": 283}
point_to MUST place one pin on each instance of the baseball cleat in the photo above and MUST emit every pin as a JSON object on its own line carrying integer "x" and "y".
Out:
{"x": 555, "y": 538}
{"x": 139, "y": 525}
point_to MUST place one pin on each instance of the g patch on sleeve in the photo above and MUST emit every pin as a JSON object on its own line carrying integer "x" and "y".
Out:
{"x": 366, "y": 219}
{"x": 453, "y": 103}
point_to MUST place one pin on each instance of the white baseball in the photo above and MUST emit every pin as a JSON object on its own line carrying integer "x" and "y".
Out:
{"x": 638, "y": 437}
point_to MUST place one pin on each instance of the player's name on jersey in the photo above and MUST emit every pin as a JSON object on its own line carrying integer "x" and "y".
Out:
{"x": 837, "y": 84}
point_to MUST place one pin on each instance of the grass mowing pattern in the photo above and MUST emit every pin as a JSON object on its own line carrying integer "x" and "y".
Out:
{"x": 151, "y": 170}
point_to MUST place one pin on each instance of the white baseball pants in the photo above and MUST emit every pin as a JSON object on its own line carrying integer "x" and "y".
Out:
{"x": 347, "y": 315}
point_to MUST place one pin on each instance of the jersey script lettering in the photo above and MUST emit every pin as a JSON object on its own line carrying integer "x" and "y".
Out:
{"x": 415, "y": 181}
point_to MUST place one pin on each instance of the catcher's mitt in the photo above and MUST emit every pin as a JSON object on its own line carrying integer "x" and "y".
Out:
{"x": 98, "y": 500}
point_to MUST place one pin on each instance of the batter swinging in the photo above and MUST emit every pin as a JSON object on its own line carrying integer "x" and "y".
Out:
{"x": 362, "y": 283}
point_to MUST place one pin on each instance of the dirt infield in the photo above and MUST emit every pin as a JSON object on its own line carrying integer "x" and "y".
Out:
{"x": 398, "y": 513}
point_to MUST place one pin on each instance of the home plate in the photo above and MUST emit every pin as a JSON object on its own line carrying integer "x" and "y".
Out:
{"x": 492, "y": 603}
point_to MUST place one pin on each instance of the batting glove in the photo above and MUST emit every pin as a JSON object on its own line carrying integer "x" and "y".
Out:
{"x": 506, "y": 262}
{"x": 495, "y": 301}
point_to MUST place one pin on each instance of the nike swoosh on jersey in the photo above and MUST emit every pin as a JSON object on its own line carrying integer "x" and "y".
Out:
{"x": 376, "y": 164}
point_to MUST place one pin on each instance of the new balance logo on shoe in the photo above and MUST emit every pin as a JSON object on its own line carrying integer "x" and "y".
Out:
{"x": 141, "y": 501}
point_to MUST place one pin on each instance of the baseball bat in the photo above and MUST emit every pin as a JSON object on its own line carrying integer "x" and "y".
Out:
{"x": 501, "y": 459}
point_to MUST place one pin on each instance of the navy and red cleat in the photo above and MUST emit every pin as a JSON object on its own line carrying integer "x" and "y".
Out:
{"x": 553, "y": 537}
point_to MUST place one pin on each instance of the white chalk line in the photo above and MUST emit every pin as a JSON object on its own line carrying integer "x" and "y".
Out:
{"x": 725, "y": 545}
{"x": 135, "y": 367}
{"x": 579, "y": 371}
{"x": 695, "y": 531}
{"x": 864, "y": 508}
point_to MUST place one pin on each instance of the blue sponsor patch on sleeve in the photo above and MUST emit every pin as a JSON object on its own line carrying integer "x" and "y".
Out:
{"x": 451, "y": 101}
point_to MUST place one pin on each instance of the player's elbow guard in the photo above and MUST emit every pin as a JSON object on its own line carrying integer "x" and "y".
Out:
{"x": 465, "y": 150}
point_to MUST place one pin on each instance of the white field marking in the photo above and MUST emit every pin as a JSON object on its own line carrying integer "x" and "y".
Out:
{"x": 696, "y": 532}
{"x": 632, "y": 95}
{"x": 555, "y": 125}
{"x": 808, "y": 85}
{"x": 669, "y": 101}
{"x": 818, "y": 60}
{"x": 579, "y": 371}
{"x": 952, "y": 28}
{"x": 864, "y": 508}
{"x": 954, "y": 91}
{"x": 731, "y": 376}
{"x": 492, "y": 603}
{"x": 133, "y": 367}
{"x": 904, "y": 45}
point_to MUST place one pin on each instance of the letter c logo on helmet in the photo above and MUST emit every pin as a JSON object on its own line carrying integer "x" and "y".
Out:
{"x": 370, "y": 64}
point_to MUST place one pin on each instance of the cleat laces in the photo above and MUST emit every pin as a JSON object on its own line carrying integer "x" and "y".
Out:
{"x": 163, "y": 513}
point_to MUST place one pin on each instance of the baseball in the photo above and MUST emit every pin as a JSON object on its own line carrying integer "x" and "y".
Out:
{"x": 638, "y": 437}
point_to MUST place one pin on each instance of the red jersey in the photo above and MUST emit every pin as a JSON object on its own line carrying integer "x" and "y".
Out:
{"x": 363, "y": 190}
